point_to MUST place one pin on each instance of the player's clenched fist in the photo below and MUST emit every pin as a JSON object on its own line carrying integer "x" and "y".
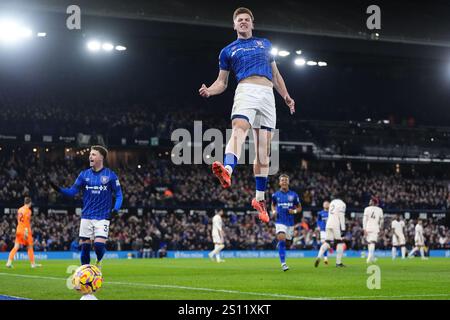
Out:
{"x": 290, "y": 103}
{"x": 204, "y": 91}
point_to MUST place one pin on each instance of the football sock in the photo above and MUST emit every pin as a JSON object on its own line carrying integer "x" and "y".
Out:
{"x": 100, "y": 249}
{"x": 413, "y": 251}
{"x": 282, "y": 251}
{"x": 85, "y": 253}
{"x": 230, "y": 161}
{"x": 403, "y": 252}
{"x": 394, "y": 252}
{"x": 217, "y": 249}
{"x": 31, "y": 255}
{"x": 339, "y": 252}
{"x": 261, "y": 185}
{"x": 12, "y": 254}
{"x": 325, "y": 246}
{"x": 422, "y": 252}
{"x": 371, "y": 252}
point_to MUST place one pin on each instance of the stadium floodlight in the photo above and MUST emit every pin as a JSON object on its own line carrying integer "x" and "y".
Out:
{"x": 93, "y": 45}
{"x": 107, "y": 46}
{"x": 322, "y": 64}
{"x": 284, "y": 53}
{"x": 11, "y": 31}
{"x": 274, "y": 51}
{"x": 42, "y": 34}
{"x": 299, "y": 52}
{"x": 299, "y": 62}
{"x": 121, "y": 48}
{"x": 311, "y": 63}
{"x": 25, "y": 33}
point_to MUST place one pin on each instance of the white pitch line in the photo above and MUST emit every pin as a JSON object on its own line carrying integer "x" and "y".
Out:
{"x": 274, "y": 295}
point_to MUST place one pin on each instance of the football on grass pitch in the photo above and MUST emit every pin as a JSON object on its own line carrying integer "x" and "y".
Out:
{"x": 87, "y": 279}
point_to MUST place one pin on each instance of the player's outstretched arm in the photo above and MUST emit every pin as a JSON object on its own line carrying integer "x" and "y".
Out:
{"x": 219, "y": 86}
{"x": 280, "y": 86}
{"x": 74, "y": 189}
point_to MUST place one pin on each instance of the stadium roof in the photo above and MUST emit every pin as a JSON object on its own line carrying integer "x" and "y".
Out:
{"x": 410, "y": 22}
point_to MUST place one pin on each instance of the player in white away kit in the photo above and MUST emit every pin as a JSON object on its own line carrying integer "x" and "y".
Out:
{"x": 372, "y": 224}
{"x": 218, "y": 236}
{"x": 334, "y": 229}
{"x": 419, "y": 240}
{"x": 398, "y": 237}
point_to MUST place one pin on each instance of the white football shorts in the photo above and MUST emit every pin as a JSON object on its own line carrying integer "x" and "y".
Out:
{"x": 92, "y": 229}
{"x": 216, "y": 238}
{"x": 323, "y": 236}
{"x": 256, "y": 103}
{"x": 288, "y": 231}
{"x": 333, "y": 234}
{"x": 419, "y": 242}
{"x": 398, "y": 241}
{"x": 372, "y": 236}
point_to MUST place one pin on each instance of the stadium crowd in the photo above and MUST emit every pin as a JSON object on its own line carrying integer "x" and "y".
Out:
{"x": 159, "y": 183}
{"x": 154, "y": 234}
{"x": 159, "y": 117}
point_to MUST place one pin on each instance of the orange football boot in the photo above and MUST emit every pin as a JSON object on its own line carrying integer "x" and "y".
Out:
{"x": 222, "y": 174}
{"x": 261, "y": 207}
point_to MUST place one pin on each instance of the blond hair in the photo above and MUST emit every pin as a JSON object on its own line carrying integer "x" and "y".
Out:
{"x": 241, "y": 10}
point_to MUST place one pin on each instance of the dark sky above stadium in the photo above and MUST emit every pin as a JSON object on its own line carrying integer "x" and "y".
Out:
{"x": 363, "y": 78}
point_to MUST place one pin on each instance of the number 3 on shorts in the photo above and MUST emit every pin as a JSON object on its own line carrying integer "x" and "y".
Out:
{"x": 106, "y": 228}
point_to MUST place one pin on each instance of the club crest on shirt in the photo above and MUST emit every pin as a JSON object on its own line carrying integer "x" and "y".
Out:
{"x": 290, "y": 198}
{"x": 104, "y": 179}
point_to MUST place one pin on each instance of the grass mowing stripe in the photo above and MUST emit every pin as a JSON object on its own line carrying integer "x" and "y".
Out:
{"x": 150, "y": 285}
{"x": 274, "y": 295}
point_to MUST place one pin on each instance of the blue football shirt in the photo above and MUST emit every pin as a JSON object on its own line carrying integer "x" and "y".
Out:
{"x": 322, "y": 217}
{"x": 247, "y": 57}
{"x": 283, "y": 202}
{"x": 98, "y": 189}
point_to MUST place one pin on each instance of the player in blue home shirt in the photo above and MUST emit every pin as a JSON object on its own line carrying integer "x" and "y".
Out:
{"x": 98, "y": 184}
{"x": 322, "y": 217}
{"x": 285, "y": 204}
{"x": 254, "y": 103}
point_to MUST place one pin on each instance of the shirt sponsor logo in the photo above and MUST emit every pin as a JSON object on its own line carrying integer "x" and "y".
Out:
{"x": 99, "y": 188}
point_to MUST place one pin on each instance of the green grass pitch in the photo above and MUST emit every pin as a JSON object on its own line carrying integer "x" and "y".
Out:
{"x": 246, "y": 279}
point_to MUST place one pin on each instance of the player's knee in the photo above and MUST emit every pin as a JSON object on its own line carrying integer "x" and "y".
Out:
{"x": 281, "y": 236}
{"x": 240, "y": 126}
{"x": 100, "y": 240}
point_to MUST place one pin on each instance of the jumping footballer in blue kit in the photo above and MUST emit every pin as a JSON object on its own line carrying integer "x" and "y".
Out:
{"x": 257, "y": 74}
{"x": 285, "y": 204}
{"x": 98, "y": 184}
